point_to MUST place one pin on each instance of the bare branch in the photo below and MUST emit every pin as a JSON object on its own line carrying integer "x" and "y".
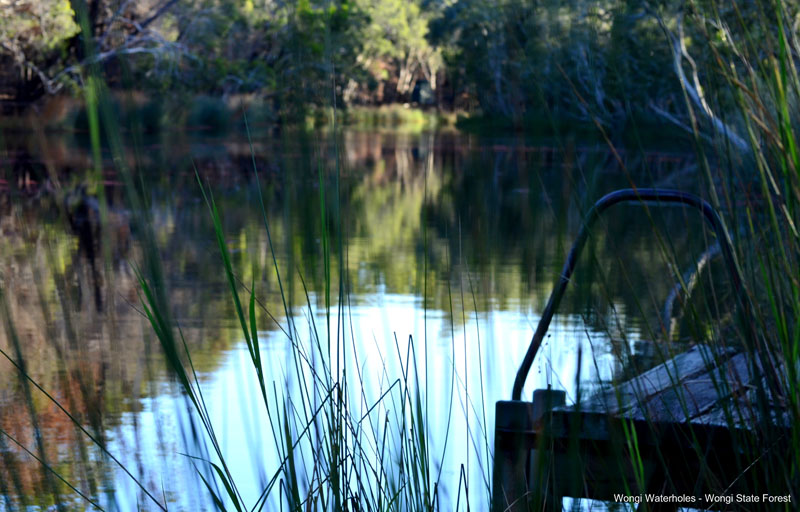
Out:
{"x": 49, "y": 85}
{"x": 693, "y": 89}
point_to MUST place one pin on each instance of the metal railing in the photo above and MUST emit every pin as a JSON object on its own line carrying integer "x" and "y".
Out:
{"x": 641, "y": 196}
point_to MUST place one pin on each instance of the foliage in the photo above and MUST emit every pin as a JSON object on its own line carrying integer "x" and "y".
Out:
{"x": 37, "y": 26}
{"x": 35, "y": 34}
{"x": 582, "y": 60}
{"x": 396, "y": 45}
{"x": 609, "y": 62}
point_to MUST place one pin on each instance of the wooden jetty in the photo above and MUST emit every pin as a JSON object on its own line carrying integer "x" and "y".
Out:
{"x": 701, "y": 430}
{"x": 615, "y": 445}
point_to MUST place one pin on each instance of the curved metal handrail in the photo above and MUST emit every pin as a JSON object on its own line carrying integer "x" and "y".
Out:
{"x": 641, "y": 195}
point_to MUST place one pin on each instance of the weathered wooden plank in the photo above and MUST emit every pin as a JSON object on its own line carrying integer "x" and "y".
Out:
{"x": 684, "y": 366}
{"x": 703, "y": 386}
{"x": 694, "y": 396}
{"x": 744, "y": 414}
{"x": 688, "y": 414}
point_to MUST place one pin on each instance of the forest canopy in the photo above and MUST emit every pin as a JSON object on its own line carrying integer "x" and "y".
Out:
{"x": 602, "y": 60}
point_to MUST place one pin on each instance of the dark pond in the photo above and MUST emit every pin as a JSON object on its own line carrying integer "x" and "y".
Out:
{"x": 451, "y": 240}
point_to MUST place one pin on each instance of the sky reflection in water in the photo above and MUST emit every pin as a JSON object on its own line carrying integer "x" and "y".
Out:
{"x": 447, "y": 238}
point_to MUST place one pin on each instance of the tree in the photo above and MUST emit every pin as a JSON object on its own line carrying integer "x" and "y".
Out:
{"x": 44, "y": 41}
{"x": 580, "y": 60}
{"x": 33, "y": 38}
{"x": 396, "y": 47}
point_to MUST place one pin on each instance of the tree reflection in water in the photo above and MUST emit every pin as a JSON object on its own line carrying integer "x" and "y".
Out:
{"x": 446, "y": 237}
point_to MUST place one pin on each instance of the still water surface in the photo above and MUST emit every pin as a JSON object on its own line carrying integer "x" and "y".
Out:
{"x": 453, "y": 241}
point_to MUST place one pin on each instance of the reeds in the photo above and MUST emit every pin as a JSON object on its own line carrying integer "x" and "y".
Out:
{"x": 341, "y": 444}
{"x": 751, "y": 61}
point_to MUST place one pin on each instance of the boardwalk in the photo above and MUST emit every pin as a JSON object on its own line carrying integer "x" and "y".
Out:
{"x": 698, "y": 415}
{"x": 694, "y": 431}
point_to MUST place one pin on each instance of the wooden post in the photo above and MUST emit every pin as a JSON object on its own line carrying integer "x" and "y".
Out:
{"x": 517, "y": 423}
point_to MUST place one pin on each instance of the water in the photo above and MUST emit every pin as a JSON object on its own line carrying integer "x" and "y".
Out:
{"x": 451, "y": 240}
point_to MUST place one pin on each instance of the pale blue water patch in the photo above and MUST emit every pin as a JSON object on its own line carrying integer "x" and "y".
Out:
{"x": 151, "y": 445}
{"x": 469, "y": 367}
{"x": 411, "y": 212}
